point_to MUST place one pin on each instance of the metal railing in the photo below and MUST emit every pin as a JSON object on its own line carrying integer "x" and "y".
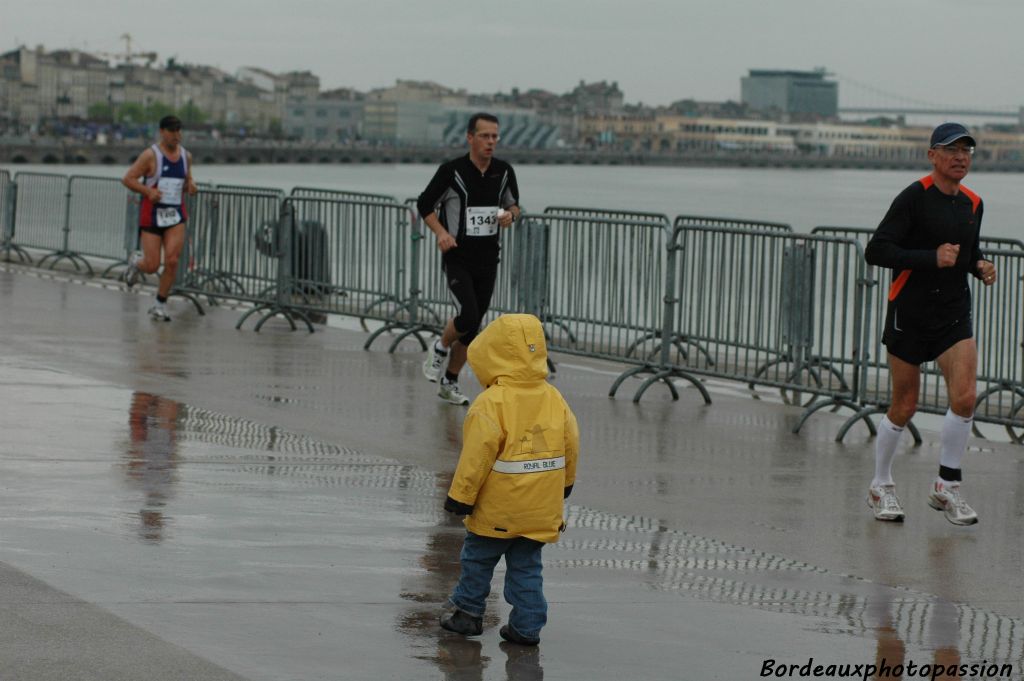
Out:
{"x": 8, "y": 194}
{"x": 99, "y": 210}
{"x": 41, "y": 215}
{"x": 695, "y": 297}
{"x": 602, "y": 295}
{"x": 339, "y": 194}
{"x": 232, "y": 250}
{"x": 734, "y": 223}
{"x": 344, "y": 257}
{"x": 249, "y": 189}
{"x": 767, "y": 308}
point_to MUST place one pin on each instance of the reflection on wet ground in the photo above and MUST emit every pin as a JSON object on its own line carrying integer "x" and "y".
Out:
{"x": 151, "y": 457}
{"x": 642, "y": 551}
{"x": 241, "y": 531}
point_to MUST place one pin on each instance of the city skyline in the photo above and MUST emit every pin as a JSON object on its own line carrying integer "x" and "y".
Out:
{"x": 658, "y": 52}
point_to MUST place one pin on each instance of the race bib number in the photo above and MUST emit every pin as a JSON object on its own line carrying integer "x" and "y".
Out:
{"x": 481, "y": 220}
{"x": 170, "y": 190}
{"x": 167, "y": 216}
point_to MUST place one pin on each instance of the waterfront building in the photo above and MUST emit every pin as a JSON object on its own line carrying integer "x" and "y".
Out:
{"x": 801, "y": 93}
{"x": 332, "y": 117}
{"x": 673, "y": 133}
{"x": 36, "y": 85}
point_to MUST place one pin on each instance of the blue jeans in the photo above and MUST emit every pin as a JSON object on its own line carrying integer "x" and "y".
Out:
{"x": 524, "y": 584}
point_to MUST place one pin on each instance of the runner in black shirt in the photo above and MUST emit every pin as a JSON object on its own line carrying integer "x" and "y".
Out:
{"x": 929, "y": 238}
{"x": 464, "y": 205}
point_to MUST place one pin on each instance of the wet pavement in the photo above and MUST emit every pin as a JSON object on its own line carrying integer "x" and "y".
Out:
{"x": 185, "y": 500}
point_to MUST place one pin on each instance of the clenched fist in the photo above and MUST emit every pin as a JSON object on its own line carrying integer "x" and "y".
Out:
{"x": 946, "y": 254}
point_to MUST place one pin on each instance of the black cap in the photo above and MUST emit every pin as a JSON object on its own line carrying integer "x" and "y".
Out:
{"x": 171, "y": 123}
{"x": 947, "y": 133}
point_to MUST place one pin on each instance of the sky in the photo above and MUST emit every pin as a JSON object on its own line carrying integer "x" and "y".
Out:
{"x": 944, "y": 52}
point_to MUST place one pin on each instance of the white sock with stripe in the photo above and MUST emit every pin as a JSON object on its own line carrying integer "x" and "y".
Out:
{"x": 955, "y": 431}
{"x": 885, "y": 451}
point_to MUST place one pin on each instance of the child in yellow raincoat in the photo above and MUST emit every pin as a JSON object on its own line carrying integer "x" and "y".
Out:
{"x": 518, "y": 462}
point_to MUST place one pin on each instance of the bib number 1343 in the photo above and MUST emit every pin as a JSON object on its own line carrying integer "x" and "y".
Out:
{"x": 481, "y": 220}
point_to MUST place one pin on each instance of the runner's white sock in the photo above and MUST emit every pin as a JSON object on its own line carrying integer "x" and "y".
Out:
{"x": 955, "y": 431}
{"x": 885, "y": 450}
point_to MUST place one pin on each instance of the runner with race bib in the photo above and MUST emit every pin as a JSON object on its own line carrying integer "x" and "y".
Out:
{"x": 465, "y": 205}
{"x": 162, "y": 175}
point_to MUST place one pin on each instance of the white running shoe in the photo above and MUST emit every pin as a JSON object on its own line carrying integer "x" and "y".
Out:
{"x": 159, "y": 313}
{"x": 132, "y": 274}
{"x": 945, "y": 497}
{"x": 451, "y": 393}
{"x": 883, "y": 501}
{"x": 434, "y": 362}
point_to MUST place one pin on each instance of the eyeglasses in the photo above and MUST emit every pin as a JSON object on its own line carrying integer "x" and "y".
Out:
{"x": 487, "y": 136}
{"x": 955, "y": 150}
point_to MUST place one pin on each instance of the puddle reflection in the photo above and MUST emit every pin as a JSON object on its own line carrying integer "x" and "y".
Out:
{"x": 151, "y": 459}
{"x": 456, "y": 657}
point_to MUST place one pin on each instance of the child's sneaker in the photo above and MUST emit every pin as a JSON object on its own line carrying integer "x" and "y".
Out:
{"x": 513, "y": 636}
{"x": 461, "y": 622}
{"x": 945, "y": 497}
{"x": 451, "y": 393}
{"x": 883, "y": 501}
{"x": 434, "y": 362}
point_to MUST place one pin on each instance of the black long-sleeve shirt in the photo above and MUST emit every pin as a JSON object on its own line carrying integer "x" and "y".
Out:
{"x": 459, "y": 185}
{"x": 921, "y": 219}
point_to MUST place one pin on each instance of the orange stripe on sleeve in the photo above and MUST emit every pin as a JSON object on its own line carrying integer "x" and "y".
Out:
{"x": 975, "y": 199}
{"x": 898, "y": 284}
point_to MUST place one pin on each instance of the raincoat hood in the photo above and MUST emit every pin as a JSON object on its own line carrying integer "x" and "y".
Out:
{"x": 510, "y": 349}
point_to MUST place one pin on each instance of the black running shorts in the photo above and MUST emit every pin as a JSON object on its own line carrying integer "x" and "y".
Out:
{"x": 917, "y": 347}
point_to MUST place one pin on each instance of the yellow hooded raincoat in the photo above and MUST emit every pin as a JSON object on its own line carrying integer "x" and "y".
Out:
{"x": 520, "y": 439}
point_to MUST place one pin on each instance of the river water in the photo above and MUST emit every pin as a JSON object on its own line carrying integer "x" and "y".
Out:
{"x": 802, "y": 198}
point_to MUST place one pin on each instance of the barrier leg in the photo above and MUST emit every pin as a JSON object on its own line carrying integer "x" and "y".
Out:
{"x": 834, "y": 402}
{"x": 191, "y": 298}
{"x": 1017, "y": 409}
{"x": 667, "y": 375}
{"x": 23, "y": 255}
{"x": 272, "y": 310}
{"x": 66, "y": 255}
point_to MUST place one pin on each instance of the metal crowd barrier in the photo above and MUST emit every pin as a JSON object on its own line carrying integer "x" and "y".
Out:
{"x": 735, "y": 223}
{"x": 249, "y": 189}
{"x": 601, "y": 296}
{"x": 342, "y": 257}
{"x": 98, "y": 211}
{"x": 734, "y": 299}
{"x": 41, "y": 215}
{"x": 998, "y": 331}
{"x": 608, "y": 214}
{"x": 766, "y": 307}
{"x": 231, "y": 250}
{"x": 7, "y": 211}
{"x": 340, "y": 194}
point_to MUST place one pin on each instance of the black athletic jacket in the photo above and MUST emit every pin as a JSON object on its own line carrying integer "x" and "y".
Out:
{"x": 458, "y": 184}
{"x": 920, "y": 220}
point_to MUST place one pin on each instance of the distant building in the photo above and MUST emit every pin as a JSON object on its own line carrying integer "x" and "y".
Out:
{"x": 597, "y": 98}
{"x": 420, "y": 113}
{"x": 335, "y": 116}
{"x": 799, "y": 93}
{"x": 36, "y": 86}
{"x": 673, "y": 133}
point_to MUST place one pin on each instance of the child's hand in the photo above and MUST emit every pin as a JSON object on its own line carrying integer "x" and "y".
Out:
{"x": 457, "y": 507}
